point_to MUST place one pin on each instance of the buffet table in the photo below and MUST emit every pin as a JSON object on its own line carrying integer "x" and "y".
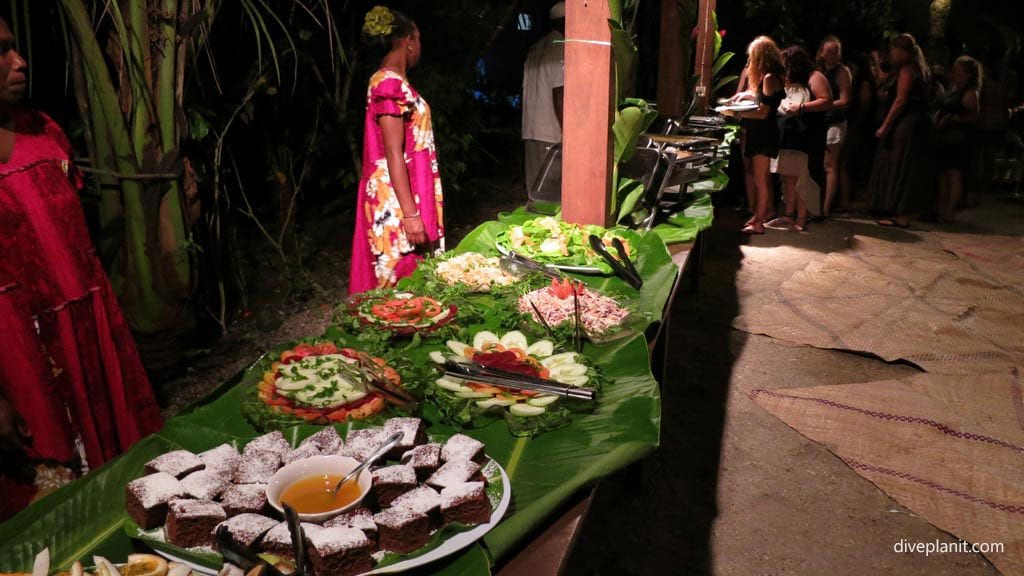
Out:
{"x": 549, "y": 473}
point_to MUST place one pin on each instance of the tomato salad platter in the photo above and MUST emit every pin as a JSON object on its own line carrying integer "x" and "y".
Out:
{"x": 401, "y": 313}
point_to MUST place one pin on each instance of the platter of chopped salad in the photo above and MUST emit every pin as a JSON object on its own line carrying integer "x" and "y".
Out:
{"x": 401, "y": 313}
{"x": 562, "y": 245}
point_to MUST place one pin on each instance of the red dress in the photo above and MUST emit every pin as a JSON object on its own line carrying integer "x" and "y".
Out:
{"x": 68, "y": 363}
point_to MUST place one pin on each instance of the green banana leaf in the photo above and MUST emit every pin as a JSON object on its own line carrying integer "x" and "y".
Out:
{"x": 684, "y": 226}
{"x": 630, "y": 191}
{"x": 630, "y": 124}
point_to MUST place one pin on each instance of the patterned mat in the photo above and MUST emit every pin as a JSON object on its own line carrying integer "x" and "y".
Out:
{"x": 950, "y": 448}
{"x": 928, "y": 306}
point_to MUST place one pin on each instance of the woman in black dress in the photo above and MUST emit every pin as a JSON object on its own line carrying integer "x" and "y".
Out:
{"x": 958, "y": 114}
{"x": 765, "y": 88}
{"x": 900, "y": 175}
{"x": 858, "y": 153}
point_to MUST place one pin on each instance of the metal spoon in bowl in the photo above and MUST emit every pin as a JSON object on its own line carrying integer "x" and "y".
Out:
{"x": 373, "y": 457}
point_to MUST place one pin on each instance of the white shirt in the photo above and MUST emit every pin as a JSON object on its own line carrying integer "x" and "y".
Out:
{"x": 544, "y": 71}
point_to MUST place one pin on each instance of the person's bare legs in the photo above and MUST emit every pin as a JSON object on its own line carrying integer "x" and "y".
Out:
{"x": 800, "y": 224}
{"x": 760, "y": 165}
{"x": 832, "y": 152}
{"x": 844, "y": 179}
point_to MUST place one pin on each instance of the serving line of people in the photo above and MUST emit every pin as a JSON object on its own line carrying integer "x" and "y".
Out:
{"x": 820, "y": 126}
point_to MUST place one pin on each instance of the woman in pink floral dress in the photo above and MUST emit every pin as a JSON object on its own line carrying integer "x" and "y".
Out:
{"x": 399, "y": 215}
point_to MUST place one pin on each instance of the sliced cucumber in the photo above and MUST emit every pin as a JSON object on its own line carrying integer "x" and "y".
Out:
{"x": 569, "y": 369}
{"x": 452, "y": 385}
{"x": 541, "y": 349}
{"x": 526, "y": 410}
{"x": 457, "y": 347}
{"x": 563, "y": 358}
{"x": 473, "y": 394}
{"x": 437, "y": 356}
{"x": 574, "y": 380}
{"x": 544, "y": 400}
{"x": 483, "y": 338}
{"x": 515, "y": 339}
{"x": 494, "y": 402}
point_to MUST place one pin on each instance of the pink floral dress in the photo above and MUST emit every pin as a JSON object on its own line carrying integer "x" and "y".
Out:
{"x": 381, "y": 252}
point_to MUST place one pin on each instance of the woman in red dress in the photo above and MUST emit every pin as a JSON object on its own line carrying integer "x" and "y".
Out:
{"x": 69, "y": 369}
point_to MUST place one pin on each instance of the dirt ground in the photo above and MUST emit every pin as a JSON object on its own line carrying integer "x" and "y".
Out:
{"x": 734, "y": 491}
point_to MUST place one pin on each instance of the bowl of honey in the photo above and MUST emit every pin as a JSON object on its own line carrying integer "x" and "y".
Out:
{"x": 307, "y": 486}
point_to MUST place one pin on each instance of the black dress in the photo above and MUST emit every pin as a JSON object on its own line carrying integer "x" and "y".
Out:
{"x": 763, "y": 135}
{"x": 901, "y": 175}
{"x": 953, "y": 150}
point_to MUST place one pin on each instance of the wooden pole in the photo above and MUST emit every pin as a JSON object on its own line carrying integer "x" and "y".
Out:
{"x": 586, "y": 130}
{"x": 673, "y": 54}
{"x": 705, "y": 51}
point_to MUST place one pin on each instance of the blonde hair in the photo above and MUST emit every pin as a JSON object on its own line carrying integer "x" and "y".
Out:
{"x": 764, "y": 58}
{"x": 974, "y": 70}
{"x": 908, "y": 44}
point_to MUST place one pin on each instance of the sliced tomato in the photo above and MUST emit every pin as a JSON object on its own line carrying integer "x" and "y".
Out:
{"x": 325, "y": 348}
{"x": 289, "y": 356}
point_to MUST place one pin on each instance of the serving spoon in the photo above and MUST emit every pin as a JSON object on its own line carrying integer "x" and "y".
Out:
{"x": 373, "y": 457}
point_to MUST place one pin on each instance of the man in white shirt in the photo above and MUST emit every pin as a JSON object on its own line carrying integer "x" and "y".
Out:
{"x": 543, "y": 79}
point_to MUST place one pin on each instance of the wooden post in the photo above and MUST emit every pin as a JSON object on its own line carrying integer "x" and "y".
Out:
{"x": 673, "y": 56}
{"x": 705, "y": 51}
{"x": 586, "y": 130}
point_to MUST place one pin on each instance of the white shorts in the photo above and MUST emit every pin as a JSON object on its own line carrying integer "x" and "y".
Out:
{"x": 836, "y": 133}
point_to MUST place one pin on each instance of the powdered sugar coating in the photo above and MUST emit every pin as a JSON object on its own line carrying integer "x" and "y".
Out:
{"x": 245, "y": 497}
{"x": 247, "y": 528}
{"x": 425, "y": 456}
{"x": 360, "y": 518}
{"x": 411, "y": 429}
{"x": 397, "y": 474}
{"x": 452, "y": 473}
{"x": 156, "y": 489}
{"x": 397, "y": 518}
{"x": 360, "y": 443}
{"x": 272, "y": 442}
{"x": 177, "y": 463}
{"x": 256, "y": 467}
{"x": 205, "y": 484}
{"x": 423, "y": 499}
{"x": 459, "y": 493}
{"x": 196, "y": 509}
{"x": 327, "y": 440}
{"x": 302, "y": 452}
{"x": 282, "y": 536}
{"x": 223, "y": 458}
{"x": 338, "y": 539}
{"x": 461, "y": 447}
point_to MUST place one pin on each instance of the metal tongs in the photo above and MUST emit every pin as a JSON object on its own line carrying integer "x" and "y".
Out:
{"x": 622, "y": 266}
{"x": 514, "y": 262}
{"x": 374, "y": 379}
{"x": 504, "y": 379}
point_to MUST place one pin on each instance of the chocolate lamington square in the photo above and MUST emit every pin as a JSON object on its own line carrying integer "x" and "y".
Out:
{"x": 222, "y": 459}
{"x": 272, "y": 442}
{"x": 301, "y": 453}
{"x": 466, "y": 504}
{"x": 360, "y": 518}
{"x": 391, "y": 482}
{"x": 146, "y": 498}
{"x": 190, "y": 523}
{"x": 256, "y": 467}
{"x": 327, "y": 440}
{"x": 462, "y": 447}
{"x": 278, "y": 541}
{"x": 453, "y": 472}
{"x": 244, "y": 498}
{"x": 424, "y": 459}
{"x": 424, "y": 500}
{"x": 340, "y": 551}
{"x": 247, "y": 529}
{"x": 360, "y": 443}
{"x": 179, "y": 463}
{"x": 413, "y": 432}
{"x": 402, "y": 531}
{"x": 205, "y": 484}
